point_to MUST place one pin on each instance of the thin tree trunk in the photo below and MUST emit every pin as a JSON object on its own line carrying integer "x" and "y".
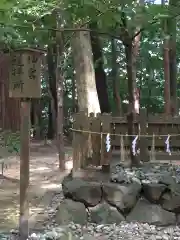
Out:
{"x": 131, "y": 80}
{"x": 172, "y": 57}
{"x": 60, "y": 95}
{"x": 84, "y": 73}
{"x": 115, "y": 79}
{"x": 167, "y": 100}
{"x": 136, "y": 45}
{"x": 52, "y": 93}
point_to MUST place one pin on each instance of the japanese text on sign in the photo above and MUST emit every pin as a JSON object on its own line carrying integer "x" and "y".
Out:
{"x": 25, "y": 79}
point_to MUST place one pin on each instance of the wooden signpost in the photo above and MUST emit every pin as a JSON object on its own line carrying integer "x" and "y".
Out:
{"x": 25, "y": 83}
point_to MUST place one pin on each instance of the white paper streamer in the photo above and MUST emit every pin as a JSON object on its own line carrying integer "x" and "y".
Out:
{"x": 108, "y": 143}
{"x": 168, "y": 145}
{"x": 134, "y": 145}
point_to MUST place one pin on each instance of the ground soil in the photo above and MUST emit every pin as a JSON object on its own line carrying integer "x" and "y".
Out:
{"x": 45, "y": 181}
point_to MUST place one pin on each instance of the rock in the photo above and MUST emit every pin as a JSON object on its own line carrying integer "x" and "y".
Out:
{"x": 178, "y": 219}
{"x": 64, "y": 234}
{"x": 172, "y": 204}
{"x": 119, "y": 176}
{"x": 89, "y": 237}
{"x": 89, "y": 193}
{"x": 70, "y": 211}
{"x": 123, "y": 197}
{"x": 105, "y": 214}
{"x": 171, "y": 199}
{"x": 145, "y": 212}
{"x": 167, "y": 179}
{"x": 153, "y": 191}
{"x": 174, "y": 189}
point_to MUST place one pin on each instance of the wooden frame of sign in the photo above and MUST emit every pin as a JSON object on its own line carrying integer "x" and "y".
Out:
{"x": 25, "y": 83}
{"x": 25, "y": 73}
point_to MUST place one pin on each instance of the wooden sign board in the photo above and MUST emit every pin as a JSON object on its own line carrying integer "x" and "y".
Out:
{"x": 25, "y": 74}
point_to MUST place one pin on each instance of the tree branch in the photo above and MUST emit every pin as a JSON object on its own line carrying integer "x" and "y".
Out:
{"x": 155, "y": 20}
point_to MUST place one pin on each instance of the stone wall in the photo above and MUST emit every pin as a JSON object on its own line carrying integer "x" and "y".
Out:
{"x": 150, "y": 194}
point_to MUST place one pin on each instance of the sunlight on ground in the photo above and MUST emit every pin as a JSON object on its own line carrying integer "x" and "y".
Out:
{"x": 40, "y": 169}
{"x": 52, "y": 186}
{"x": 9, "y": 217}
{"x": 69, "y": 165}
{"x": 45, "y": 179}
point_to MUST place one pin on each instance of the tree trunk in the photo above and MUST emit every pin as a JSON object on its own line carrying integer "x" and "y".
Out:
{"x": 52, "y": 93}
{"x": 51, "y": 129}
{"x": 172, "y": 58}
{"x": 115, "y": 79}
{"x": 136, "y": 45}
{"x": 73, "y": 95}
{"x": 60, "y": 96}
{"x": 36, "y": 118}
{"x": 167, "y": 100}
{"x": 84, "y": 73}
{"x": 100, "y": 76}
{"x": 131, "y": 80}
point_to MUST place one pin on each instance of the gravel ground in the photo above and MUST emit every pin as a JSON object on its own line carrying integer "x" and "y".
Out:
{"x": 126, "y": 231}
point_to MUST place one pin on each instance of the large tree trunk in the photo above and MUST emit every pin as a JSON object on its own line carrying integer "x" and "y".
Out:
{"x": 84, "y": 73}
{"x": 115, "y": 79}
{"x": 100, "y": 76}
{"x": 172, "y": 58}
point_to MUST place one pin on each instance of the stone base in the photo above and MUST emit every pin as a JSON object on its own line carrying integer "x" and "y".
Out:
{"x": 150, "y": 194}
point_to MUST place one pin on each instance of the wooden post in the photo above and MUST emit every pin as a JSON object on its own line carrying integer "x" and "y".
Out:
{"x": 144, "y": 156}
{"x": 24, "y": 84}
{"x": 24, "y": 169}
{"x": 105, "y": 156}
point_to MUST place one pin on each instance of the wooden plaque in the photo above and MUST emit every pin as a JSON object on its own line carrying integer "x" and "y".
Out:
{"x": 25, "y": 74}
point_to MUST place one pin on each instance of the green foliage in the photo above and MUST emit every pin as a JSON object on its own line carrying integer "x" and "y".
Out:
{"x": 31, "y": 23}
{"x": 9, "y": 143}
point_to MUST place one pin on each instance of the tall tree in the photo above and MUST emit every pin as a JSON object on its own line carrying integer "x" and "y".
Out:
{"x": 60, "y": 93}
{"x": 52, "y": 91}
{"x": 100, "y": 75}
{"x": 84, "y": 72}
{"x": 167, "y": 103}
{"x": 173, "y": 6}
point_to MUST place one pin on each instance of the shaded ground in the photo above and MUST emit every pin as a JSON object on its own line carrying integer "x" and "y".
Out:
{"x": 45, "y": 179}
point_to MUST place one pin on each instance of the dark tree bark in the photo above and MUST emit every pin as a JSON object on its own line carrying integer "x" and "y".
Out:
{"x": 131, "y": 80}
{"x": 60, "y": 94}
{"x": 115, "y": 79}
{"x": 100, "y": 76}
{"x": 51, "y": 128}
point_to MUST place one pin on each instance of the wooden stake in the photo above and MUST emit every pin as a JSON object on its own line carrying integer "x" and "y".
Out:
{"x": 24, "y": 169}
